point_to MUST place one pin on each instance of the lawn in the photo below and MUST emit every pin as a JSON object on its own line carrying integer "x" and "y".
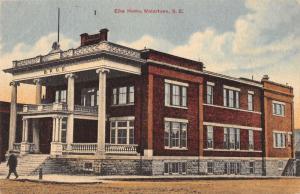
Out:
{"x": 280, "y": 186}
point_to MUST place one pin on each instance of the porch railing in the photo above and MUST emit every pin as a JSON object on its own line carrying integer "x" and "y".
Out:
{"x": 45, "y": 107}
{"x": 17, "y": 147}
{"x": 86, "y": 109}
{"x": 109, "y": 148}
{"x": 121, "y": 148}
{"x": 84, "y": 147}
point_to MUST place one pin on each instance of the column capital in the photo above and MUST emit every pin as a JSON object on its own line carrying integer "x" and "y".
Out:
{"x": 102, "y": 70}
{"x": 37, "y": 81}
{"x": 14, "y": 83}
{"x": 70, "y": 75}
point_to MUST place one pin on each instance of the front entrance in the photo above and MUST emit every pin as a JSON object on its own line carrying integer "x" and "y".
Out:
{"x": 45, "y": 126}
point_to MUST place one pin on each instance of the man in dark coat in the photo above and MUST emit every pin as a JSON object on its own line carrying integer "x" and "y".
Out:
{"x": 12, "y": 164}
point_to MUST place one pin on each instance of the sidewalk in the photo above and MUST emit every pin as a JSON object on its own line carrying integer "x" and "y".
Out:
{"x": 55, "y": 178}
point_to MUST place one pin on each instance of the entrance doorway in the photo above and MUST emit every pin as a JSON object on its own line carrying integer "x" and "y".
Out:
{"x": 45, "y": 135}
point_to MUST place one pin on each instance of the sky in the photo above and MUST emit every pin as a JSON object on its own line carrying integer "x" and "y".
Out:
{"x": 241, "y": 38}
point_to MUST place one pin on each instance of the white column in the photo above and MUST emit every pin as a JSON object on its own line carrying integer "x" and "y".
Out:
{"x": 25, "y": 146}
{"x": 13, "y": 115}
{"x": 101, "y": 111}
{"x": 38, "y": 90}
{"x": 56, "y": 146}
{"x": 70, "y": 101}
{"x": 35, "y": 122}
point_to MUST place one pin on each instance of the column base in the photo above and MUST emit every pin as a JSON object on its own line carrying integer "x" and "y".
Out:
{"x": 56, "y": 148}
{"x": 148, "y": 153}
{"x": 25, "y": 148}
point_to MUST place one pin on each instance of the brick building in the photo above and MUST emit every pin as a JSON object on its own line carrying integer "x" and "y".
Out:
{"x": 110, "y": 109}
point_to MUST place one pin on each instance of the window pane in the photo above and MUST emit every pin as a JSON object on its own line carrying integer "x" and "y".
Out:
{"x": 123, "y": 95}
{"x": 209, "y": 137}
{"x": 250, "y": 102}
{"x": 112, "y": 136}
{"x": 237, "y": 100}
{"x": 175, "y": 95}
{"x": 122, "y": 136}
{"x": 131, "y": 136}
{"x": 230, "y": 98}
{"x": 167, "y": 94}
{"x": 57, "y": 96}
{"x": 167, "y": 134}
{"x": 131, "y": 94}
{"x": 175, "y": 134}
{"x": 122, "y": 123}
{"x": 209, "y": 96}
{"x": 225, "y": 97}
{"x": 226, "y": 138}
{"x": 114, "y": 96}
{"x": 237, "y": 139}
{"x": 183, "y": 96}
{"x": 183, "y": 135}
{"x": 63, "y": 96}
{"x": 232, "y": 138}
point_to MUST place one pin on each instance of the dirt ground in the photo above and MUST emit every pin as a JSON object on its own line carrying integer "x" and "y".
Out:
{"x": 280, "y": 186}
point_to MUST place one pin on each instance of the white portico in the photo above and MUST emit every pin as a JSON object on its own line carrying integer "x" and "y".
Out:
{"x": 66, "y": 75}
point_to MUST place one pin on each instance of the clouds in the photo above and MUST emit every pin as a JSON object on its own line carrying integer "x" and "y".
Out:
{"x": 23, "y": 51}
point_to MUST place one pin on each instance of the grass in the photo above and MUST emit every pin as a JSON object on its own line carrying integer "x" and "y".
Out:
{"x": 274, "y": 186}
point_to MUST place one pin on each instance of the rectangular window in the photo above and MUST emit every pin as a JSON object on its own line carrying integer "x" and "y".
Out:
{"x": 210, "y": 137}
{"x": 174, "y": 168}
{"x": 123, "y": 95}
{"x": 279, "y": 139}
{"x": 278, "y": 108}
{"x": 232, "y": 138}
{"x": 60, "y": 96}
{"x": 232, "y": 168}
{"x": 251, "y": 168}
{"x": 131, "y": 95}
{"x": 122, "y": 132}
{"x": 175, "y": 95}
{"x": 231, "y": 98}
{"x": 250, "y": 102}
{"x": 88, "y": 96}
{"x": 209, "y": 94}
{"x": 175, "y": 135}
{"x": 251, "y": 139}
{"x": 64, "y": 130}
{"x": 210, "y": 167}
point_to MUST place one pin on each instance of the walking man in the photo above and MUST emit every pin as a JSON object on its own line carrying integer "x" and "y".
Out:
{"x": 12, "y": 164}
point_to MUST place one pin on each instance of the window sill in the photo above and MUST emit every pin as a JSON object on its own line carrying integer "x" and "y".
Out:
{"x": 180, "y": 107}
{"x": 117, "y": 105}
{"x": 278, "y": 115}
{"x": 175, "y": 148}
{"x": 279, "y": 147}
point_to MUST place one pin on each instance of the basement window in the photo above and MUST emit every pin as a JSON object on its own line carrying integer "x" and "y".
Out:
{"x": 88, "y": 166}
{"x": 174, "y": 168}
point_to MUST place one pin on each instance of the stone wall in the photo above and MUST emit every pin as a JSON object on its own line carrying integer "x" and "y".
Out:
{"x": 156, "y": 166}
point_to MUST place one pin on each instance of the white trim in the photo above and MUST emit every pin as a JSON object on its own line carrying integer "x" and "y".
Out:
{"x": 172, "y": 106}
{"x": 43, "y": 116}
{"x": 176, "y": 120}
{"x": 210, "y": 83}
{"x": 232, "y": 126}
{"x": 277, "y": 102}
{"x": 231, "y": 88}
{"x": 175, "y": 148}
{"x": 176, "y": 83}
{"x": 85, "y": 117}
{"x": 237, "y": 109}
{"x": 275, "y": 131}
{"x": 232, "y": 150}
{"x": 250, "y": 92}
{"x": 128, "y": 118}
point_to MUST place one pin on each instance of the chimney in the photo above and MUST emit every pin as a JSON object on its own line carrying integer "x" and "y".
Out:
{"x": 103, "y": 34}
{"x": 265, "y": 78}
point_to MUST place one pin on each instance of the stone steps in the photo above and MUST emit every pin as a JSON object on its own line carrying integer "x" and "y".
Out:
{"x": 27, "y": 164}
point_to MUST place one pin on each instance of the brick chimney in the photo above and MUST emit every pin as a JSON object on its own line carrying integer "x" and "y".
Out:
{"x": 103, "y": 34}
{"x": 87, "y": 39}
